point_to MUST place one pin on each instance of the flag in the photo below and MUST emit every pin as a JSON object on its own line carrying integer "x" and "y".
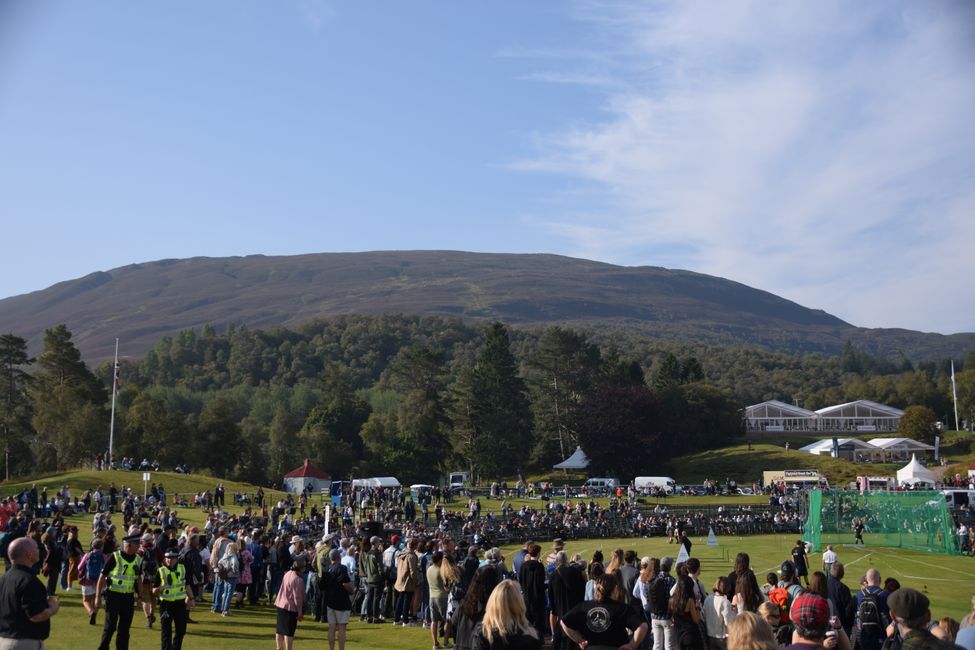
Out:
{"x": 117, "y": 385}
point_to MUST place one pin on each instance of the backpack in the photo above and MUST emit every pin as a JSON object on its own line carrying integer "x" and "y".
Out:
{"x": 780, "y": 596}
{"x": 659, "y": 596}
{"x": 93, "y": 566}
{"x": 868, "y": 613}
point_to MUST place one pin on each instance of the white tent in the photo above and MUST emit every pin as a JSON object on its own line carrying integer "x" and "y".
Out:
{"x": 376, "y": 482}
{"x": 914, "y": 472}
{"x": 578, "y": 460}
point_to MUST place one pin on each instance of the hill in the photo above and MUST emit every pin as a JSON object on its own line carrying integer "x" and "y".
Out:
{"x": 141, "y": 303}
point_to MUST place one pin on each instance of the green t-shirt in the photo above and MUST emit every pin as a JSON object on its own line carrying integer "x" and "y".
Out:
{"x": 437, "y": 588}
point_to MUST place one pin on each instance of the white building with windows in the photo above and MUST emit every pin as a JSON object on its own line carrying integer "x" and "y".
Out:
{"x": 861, "y": 416}
{"x": 774, "y": 415}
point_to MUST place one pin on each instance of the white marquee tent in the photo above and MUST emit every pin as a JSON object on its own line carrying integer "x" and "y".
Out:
{"x": 578, "y": 460}
{"x": 914, "y": 472}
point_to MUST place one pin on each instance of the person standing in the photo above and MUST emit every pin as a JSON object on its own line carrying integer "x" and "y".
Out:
{"x": 871, "y": 613}
{"x": 438, "y": 598}
{"x": 801, "y": 561}
{"x": 567, "y": 588}
{"x": 170, "y": 587}
{"x": 374, "y": 577}
{"x": 25, "y": 608}
{"x": 337, "y": 586}
{"x": 829, "y": 559}
{"x": 531, "y": 577}
{"x": 407, "y": 580}
{"x": 290, "y": 603}
{"x": 117, "y": 583}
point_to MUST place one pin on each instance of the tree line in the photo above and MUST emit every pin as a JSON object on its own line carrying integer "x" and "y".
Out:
{"x": 416, "y": 397}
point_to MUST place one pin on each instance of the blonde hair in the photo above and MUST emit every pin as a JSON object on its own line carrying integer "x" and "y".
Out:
{"x": 449, "y": 571}
{"x": 748, "y": 631}
{"x": 504, "y": 614}
{"x": 769, "y": 610}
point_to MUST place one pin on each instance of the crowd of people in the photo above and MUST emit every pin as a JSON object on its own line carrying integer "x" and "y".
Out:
{"x": 445, "y": 572}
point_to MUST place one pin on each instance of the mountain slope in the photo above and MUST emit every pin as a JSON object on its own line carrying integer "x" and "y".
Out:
{"x": 142, "y": 302}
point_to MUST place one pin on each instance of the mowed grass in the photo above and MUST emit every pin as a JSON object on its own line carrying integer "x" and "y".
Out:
{"x": 949, "y": 581}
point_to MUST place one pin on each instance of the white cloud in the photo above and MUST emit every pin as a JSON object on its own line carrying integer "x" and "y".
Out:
{"x": 822, "y": 151}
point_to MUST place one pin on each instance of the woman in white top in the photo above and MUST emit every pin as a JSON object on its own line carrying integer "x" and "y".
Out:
{"x": 718, "y": 614}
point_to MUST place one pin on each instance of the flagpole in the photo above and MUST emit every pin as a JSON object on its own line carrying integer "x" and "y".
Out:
{"x": 111, "y": 426}
{"x": 954, "y": 394}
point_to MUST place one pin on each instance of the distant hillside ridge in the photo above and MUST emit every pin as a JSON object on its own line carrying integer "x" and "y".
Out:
{"x": 141, "y": 303}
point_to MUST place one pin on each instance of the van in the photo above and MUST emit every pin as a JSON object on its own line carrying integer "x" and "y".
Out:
{"x": 647, "y": 483}
{"x": 601, "y": 484}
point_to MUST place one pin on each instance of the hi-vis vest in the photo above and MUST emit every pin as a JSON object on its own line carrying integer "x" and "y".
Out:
{"x": 122, "y": 580}
{"x": 173, "y": 583}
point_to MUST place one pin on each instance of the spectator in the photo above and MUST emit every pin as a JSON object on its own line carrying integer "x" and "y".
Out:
{"x": 910, "y": 610}
{"x": 749, "y": 632}
{"x": 810, "y": 616}
{"x": 337, "y": 586}
{"x": 471, "y": 609}
{"x": 718, "y": 615}
{"x": 290, "y": 603}
{"x": 505, "y": 626}
{"x": 606, "y": 621}
{"x": 25, "y": 608}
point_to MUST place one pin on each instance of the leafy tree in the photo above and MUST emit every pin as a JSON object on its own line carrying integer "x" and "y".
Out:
{"x": 284, "y": 454}
{"x": 147, "y": 428}
{"x": 500, "y": 411}
{"x": 624, "y": 431}
{"x": 919, "y": 423}
{"x": 219, "y": 443}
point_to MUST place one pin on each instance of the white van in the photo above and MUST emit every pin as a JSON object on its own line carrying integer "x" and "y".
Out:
{"x": 647, "y": 483}
{"x": 601, "y": 484}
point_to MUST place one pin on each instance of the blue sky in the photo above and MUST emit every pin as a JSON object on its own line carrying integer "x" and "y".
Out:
{"x": 822, "y": 151}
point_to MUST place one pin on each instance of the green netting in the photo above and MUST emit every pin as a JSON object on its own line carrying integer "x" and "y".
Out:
{"x": 913, "y": 520}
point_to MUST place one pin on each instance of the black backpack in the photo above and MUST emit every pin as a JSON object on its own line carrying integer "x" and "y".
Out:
{"x": 660, "y": 596}
{"x": 868, "y": 613}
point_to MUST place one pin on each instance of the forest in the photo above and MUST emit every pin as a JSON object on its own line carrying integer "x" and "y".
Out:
{"x": 416, "y": 397}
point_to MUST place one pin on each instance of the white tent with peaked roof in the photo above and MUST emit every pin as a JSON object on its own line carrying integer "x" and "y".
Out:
{"x": 914, "y": 472}
{"x": 578, "y": 460}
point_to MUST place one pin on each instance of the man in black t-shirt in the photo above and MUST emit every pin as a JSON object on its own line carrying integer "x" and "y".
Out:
{"x": 337, "y": 586}
{"x": 801, "y": 561}
{"x": 605, "y": 621}
{"x": 25, "y": 609}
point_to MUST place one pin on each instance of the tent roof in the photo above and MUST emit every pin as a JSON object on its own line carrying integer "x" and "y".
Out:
{"x": 307, "y": 471}
{"x": 578, "y": 460}
{"x": 900, "y": 443}
{"x": 773, "y": 408}
{"x": 914, "y": 472}
{"x": 376, "y": 481}
{"x": 860, "y": 408}
{"x": 826, "y": 444}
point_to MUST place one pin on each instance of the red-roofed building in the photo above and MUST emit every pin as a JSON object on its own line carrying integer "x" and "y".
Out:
{"x": 308, "y": 478}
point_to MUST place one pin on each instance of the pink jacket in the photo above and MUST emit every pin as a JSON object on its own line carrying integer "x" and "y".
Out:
{"x": 291, "y": 595}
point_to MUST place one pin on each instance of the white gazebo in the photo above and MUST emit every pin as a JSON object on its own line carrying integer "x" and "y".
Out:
{"x": 578, "y": 460}
{"x": 913, "y": 473}
{"x": 376, "y": 482}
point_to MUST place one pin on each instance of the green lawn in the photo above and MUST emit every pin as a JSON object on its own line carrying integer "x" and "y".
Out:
{"x": 948, "y": 581}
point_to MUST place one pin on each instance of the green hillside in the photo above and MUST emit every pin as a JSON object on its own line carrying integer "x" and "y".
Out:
{"x": 746, "y": 466}
{"x": 81, "y": 480}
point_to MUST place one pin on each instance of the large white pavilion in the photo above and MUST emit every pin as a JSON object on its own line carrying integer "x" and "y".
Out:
{"x": 861, "y": 416}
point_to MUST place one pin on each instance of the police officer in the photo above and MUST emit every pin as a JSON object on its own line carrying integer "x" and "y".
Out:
{"x": 170, "y": 586}
{"x": 117, "y": 584}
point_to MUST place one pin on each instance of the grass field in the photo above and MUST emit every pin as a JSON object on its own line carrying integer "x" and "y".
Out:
{"x": 948, "y": 581}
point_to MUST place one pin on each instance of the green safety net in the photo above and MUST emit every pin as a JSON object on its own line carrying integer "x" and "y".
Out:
{"x": 918, "y": 521}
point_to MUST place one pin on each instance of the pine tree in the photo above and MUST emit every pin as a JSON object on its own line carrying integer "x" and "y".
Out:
{"x": 500, "y": 410}
{"x": 15, "y": 406}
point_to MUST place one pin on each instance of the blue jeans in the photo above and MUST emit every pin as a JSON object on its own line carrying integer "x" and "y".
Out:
{"x": 221, "y": 593}
{"x": 230, "y": 587}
